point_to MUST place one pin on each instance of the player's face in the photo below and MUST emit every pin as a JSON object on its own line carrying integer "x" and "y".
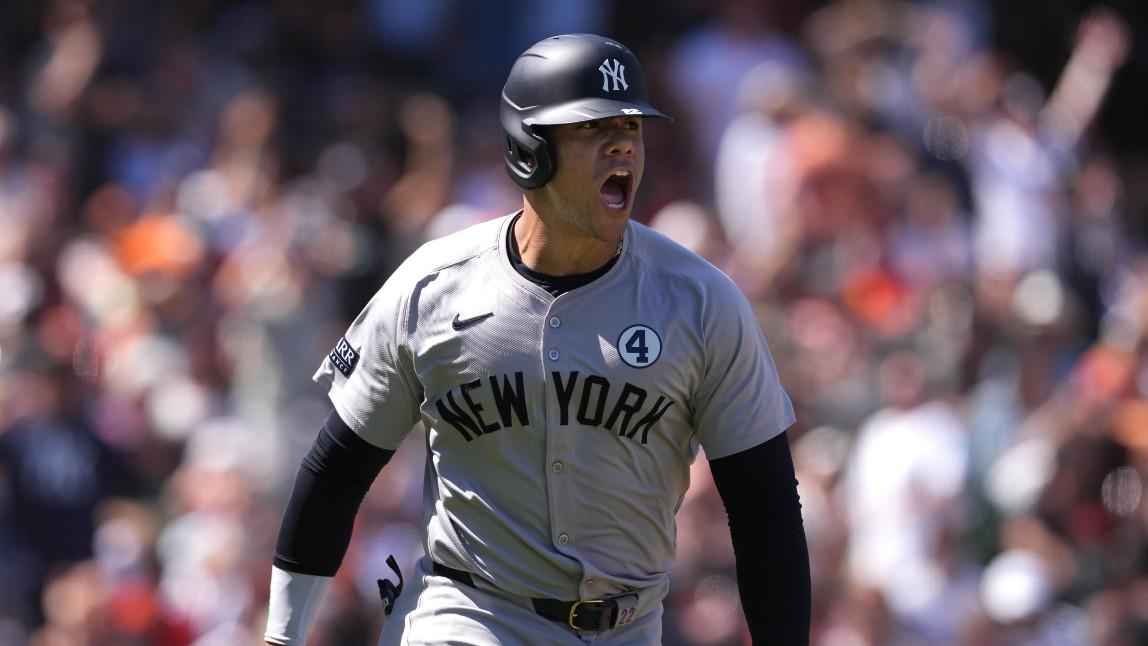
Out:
{"x": 599, "y": 167}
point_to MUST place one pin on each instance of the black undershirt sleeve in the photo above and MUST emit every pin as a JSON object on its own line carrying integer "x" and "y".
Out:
{"x": 330, "y": 485}
{"x": 759, "y": 490}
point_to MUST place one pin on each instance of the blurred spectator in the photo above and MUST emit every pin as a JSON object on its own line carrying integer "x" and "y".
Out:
{"x": 707, "y": 65}
{"x": 754, "y": 170}
{"x": 55, "y": 473}
{"x": 902, "y": 491}
{"x": 931, "y": 246}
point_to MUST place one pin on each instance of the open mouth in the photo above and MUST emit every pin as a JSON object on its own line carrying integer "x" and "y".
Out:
{"x": 615, "y": 190}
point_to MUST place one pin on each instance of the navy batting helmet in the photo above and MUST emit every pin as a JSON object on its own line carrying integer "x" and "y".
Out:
{"x": 565, "y": 79}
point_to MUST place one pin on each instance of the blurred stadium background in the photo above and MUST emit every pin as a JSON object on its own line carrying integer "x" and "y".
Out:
{"x": 938, "y": 207}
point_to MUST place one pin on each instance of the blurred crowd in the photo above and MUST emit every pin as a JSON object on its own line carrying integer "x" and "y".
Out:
{"x": 936, "y": 206}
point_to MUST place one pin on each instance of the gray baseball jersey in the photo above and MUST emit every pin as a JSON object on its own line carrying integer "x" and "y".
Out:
{"x": 560, "y": 430}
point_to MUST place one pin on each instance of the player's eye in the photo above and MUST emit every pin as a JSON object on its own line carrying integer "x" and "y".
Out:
{"x": 588, "y": 125}
{"x": 633, "y": 124}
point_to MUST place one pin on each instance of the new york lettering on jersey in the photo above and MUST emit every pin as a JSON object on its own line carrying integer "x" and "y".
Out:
{"x": 632, "y": 411}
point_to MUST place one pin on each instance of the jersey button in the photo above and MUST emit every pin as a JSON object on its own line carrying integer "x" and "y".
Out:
{"x": 558, "y": 467}
{"x": 563, "y": 539}
{"x": 555, "y": 321}
{"x": 553, "y": 354}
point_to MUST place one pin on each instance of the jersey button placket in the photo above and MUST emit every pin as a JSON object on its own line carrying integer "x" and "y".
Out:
{"x": 557, "y": 442}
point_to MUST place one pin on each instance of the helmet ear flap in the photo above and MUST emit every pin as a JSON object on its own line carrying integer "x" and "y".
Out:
{"x": 529, "y": 160}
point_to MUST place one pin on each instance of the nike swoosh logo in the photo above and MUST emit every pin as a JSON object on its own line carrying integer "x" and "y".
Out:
{"x": 460, "y": 324}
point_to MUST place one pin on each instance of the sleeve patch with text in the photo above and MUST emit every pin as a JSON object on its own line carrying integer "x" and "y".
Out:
{"x": 344, "y": 357}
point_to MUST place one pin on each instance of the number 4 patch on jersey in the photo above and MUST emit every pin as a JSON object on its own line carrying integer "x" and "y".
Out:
{"x": 639, "y": 346}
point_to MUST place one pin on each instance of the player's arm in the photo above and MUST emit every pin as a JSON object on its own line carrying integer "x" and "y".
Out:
{"x": 330, "y": 485}
{"x": 759, "y": 490}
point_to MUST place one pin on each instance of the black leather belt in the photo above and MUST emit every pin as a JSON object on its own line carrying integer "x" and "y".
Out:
{"x": 597, "y": 615}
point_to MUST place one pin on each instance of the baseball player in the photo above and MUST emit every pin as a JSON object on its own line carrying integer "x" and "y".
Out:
{"x": 567, "y": 364}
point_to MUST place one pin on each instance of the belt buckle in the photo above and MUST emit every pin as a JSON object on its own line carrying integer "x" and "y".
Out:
{"x": 605, "y": 621}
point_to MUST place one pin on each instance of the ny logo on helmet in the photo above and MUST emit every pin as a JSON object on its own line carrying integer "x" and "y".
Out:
{"x": 617, "y": 72}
